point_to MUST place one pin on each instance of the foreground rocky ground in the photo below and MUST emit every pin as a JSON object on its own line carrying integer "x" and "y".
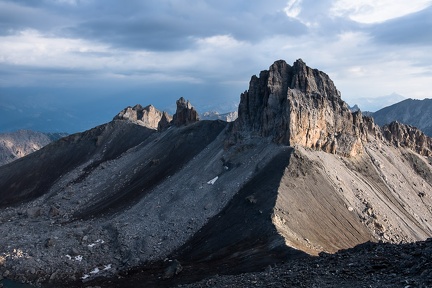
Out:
{"x": 367, "y": 265}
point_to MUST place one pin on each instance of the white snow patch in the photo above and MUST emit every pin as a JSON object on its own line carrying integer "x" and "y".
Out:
{"x": 85, "y": 276}
{"x": 79, "y": 258}
{"x": 95, "y": 271}
{"x": 99, "y": 241}
{"x": 107, "y": 267}
{"x": 212, "y": 181}
{"x": 69, "y": 257}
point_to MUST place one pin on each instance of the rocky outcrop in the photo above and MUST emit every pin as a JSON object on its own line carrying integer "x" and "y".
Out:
{"x": 413, "y": 112}
{"x": 164, "y": 121}
{"x": 148, "y": 116}
{"x": 407, "y": 136}
{"x": 21, "y": 143}
{"x": 299, "y": 105}
{"x": 185, "y": 113}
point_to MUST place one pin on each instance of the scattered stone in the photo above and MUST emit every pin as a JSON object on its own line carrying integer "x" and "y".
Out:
{"x": 53, "y": 212}
{"x": 173, "y": 269}
{"x": 33, "y": 212}
{"x": 73, "y": 252}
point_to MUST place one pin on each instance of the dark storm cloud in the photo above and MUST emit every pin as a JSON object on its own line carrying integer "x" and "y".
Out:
{"x": 413, "y": 29}
{"x": 164, "y": 27}
{"x": 14, "y": 18}
{"x": 150, "y": 25}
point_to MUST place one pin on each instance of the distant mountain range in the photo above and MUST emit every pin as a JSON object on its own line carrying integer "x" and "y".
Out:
{"x": 18, "y": 144}
{"x": 413, "y": 112}
{"x": 373, "y": 104}
{"x": 150, "y": 200}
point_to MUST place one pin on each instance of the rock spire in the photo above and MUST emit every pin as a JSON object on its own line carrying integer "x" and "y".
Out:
{"x": 299, "y": 105}
{"x": 185, "y": 113}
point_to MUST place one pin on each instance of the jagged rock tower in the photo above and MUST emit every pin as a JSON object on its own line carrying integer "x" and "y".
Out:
{"x": 299, "y": 105}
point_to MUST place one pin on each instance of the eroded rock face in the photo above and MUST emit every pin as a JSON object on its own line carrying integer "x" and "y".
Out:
{"x": 299, "y": 105}
{"x": 148, "y": 116}
{"x": 185, "y": 113}
{"x": 18, "y": 144}
{"x": 407, "y": 136}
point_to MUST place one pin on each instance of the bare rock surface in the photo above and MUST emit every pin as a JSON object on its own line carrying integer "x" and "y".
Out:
{"x": 299, "y": 105}
{"x": 297, "y": 174}
{"x": 18, "y": 144}
{"x": 148, "y": 116}
{"x": 367, "y": 265}
{"x": 402, "y": 135}
{"x": 185, "y": 113}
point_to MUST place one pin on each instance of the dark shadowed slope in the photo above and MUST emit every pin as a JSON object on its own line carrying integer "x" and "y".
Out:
{"x": 241, "y": 238}
{"x": 28, "y": 178}
{"x": 162, "y": 157}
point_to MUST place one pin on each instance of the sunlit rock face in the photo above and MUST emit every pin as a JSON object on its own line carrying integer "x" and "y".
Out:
{"x": 148, "y": 116}
{"x": 300, "y": 105}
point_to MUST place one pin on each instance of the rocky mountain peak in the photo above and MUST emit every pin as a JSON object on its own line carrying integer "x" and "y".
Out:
{"x": 407, "y": 136}
{"x": 185, "y": 113}
{"x": 299, "y": 105}
{"x": 148, "y": 116}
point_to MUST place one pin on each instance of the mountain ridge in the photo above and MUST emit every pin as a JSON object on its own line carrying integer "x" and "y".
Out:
{"x": 410, "y": 111}
{"x": 295, "y": 175}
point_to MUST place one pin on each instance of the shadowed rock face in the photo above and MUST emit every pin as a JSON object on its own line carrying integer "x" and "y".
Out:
{"x": 299, "y": 105}
{"x": 402, "y": 135}
{"x": 185, "y": 113}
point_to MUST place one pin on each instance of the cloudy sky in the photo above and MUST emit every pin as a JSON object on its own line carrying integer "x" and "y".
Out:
{"x": 106, "y": 54}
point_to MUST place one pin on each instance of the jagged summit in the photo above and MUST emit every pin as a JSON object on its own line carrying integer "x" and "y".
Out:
{"x": 148, "y": 116}
{"x": 299, "y": 105}
{"x": 402, "y": 135}
{"x": 123, "y": 197}
{"x": 151, "y": 117}
{"x": 185, "y": 113}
